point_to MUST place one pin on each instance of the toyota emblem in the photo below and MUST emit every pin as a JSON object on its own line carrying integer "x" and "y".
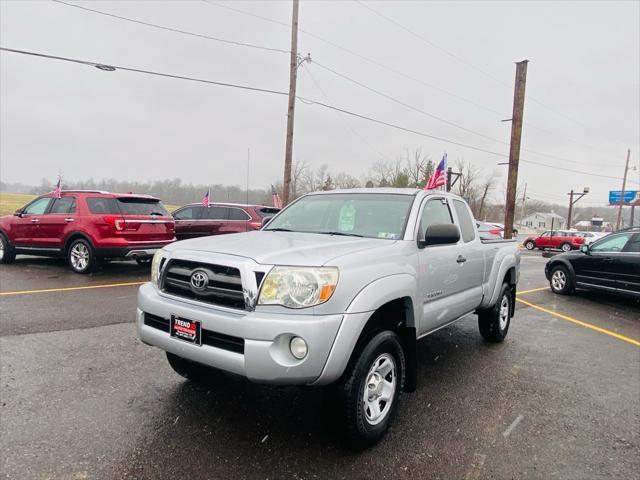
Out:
{"x": 199, "y": 280}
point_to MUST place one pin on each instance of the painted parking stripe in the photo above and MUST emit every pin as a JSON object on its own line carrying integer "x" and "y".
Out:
{"x": 69, "y": 289}
{"x": 632, "y": 341}
{"x": 539, "y": 289}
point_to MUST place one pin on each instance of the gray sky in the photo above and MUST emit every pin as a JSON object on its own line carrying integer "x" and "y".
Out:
{"x": 584, "y": 64}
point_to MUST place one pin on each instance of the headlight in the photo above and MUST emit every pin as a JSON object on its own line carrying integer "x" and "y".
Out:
{"x": 155, "y": 266}
{"x": 298, "y": 287}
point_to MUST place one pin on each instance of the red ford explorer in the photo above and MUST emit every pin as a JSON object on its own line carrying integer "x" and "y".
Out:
{"x": 87, "y": 227}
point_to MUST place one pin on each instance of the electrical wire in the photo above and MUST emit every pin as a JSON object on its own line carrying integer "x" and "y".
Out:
{"x": 174, "y": 30}
{"x": 112, "y": 67}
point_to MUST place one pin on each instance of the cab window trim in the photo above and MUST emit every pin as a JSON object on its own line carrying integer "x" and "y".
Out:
{"x": 418, "y": 227}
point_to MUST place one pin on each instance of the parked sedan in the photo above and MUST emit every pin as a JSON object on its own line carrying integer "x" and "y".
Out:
{"x": 489, "y": 231}
{"x": 611, "y": 264}
{"x": 556, "y": 239}
{"x": 196, "y": 220}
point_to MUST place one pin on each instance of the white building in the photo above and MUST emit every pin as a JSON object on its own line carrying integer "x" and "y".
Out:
{"x": 544, "y": 221}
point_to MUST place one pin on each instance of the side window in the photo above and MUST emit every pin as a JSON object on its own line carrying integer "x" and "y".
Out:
{"x": 633, "y": 245}
{"x": 63, "y": 205}
{"x": 101, "y": 205}
{"x": 185, "y": 214}
{"x": 435, "y": 211}
{"x": 546, "y": 234}
{"x": 37, "y": 207}
{"x": 613, "y": 243}
{"x": 238, "y": 214}
{"x": 215, "y": 213}
{"x": 466, "y": 222}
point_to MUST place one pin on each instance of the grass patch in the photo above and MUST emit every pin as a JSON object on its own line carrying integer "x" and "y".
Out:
{"x": 10, "y": 202}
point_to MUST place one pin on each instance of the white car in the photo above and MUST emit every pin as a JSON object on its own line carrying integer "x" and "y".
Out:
{"x": 590, "y": 237}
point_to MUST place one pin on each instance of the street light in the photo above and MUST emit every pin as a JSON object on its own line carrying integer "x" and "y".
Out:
{"x": 578, "y": 196}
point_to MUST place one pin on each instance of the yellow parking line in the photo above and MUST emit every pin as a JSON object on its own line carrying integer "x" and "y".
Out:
{"x": 580, "y": 322}
{"x": 532, "y": 290}
{"x": 69, "y": 289}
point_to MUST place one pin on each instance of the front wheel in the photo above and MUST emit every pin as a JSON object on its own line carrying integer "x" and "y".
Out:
{"x": 7, "y": 252}
{"x": 81, "y": 257}
{"x": 559, "y": 280}
{"x": 565, "y": 247}
{"x": 494, "y": 322}
{"x": 372, "y": 388}
{"x": 530, "y": 245}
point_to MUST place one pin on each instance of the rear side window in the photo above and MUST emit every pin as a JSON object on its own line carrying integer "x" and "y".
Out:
{"x": 238, "y": 214}
{"x": 215, "y": 213}
{"x": 102, "y": 205}
{"x": 141, "y": 206}
{"x": 435, "y": 211}
{"x": 466, "y": 222}
{"x": 63, "y": 205}
{"x": 266, "y": 211}
{"x": 189, "y": 213}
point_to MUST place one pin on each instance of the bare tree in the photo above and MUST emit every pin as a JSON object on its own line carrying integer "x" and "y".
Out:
{"x": 419, "y": 167}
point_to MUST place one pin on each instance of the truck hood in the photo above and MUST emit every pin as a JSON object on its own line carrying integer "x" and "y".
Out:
{"x": 280, "y": 248}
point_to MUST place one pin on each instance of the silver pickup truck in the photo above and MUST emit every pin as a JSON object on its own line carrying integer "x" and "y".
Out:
{"x": 335, "y": 289}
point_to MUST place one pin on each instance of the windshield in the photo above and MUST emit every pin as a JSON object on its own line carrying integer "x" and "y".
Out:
{"x": 372, "y": 215}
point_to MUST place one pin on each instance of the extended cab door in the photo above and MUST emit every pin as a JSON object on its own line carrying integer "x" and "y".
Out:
{"x": 470, "y": 259}
{"x": 441, "y": 283}
{"x": 57, "y": 221}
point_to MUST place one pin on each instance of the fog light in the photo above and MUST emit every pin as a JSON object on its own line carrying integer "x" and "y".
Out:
{"x": 298, "y": 347}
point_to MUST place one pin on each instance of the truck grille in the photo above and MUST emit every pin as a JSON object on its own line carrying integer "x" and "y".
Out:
{"x": 209, "y": 337}
{"x": 224, "y": 284}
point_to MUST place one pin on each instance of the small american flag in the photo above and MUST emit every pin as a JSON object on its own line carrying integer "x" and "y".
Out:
{"x": 57, "y": 192}
{"x": 439, "y": 177}
{"x": 205, "y": 199}
{"x": 277, "y": 201}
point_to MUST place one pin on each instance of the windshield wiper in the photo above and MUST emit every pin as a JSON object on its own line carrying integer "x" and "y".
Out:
{"x": 344, "y": 234}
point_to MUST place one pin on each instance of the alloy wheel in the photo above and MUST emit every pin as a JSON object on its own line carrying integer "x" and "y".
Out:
{"x": 558, "y": 280}
{"x": 79, "y": 256}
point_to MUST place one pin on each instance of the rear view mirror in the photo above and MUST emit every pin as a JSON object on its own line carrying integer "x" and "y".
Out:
{"x": 441, "y": 234}
{"x": 266, "y": 220}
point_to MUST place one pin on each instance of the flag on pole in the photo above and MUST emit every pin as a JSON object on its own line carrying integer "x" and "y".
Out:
{"x": 439, "y": 177}
{"x": 277, "y": 201}
{"x": 205, "y": 199}
{"x": 57, "y": 192}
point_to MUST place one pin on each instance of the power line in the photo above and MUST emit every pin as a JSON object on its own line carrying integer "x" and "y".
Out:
{"x": 471, "y": 65}
{"x": 174, "y": 30}
{"x": 112, "y": 67}
{"x": 495, "y": 112}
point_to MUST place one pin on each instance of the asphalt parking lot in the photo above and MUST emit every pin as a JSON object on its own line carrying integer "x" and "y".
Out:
{"x": 82, "y": 398}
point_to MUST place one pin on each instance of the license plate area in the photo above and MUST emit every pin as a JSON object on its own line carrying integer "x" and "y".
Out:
{"x": 189, "y": 331}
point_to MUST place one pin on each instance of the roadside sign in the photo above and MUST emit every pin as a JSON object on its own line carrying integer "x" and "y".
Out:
{"x": 631, "y": 197}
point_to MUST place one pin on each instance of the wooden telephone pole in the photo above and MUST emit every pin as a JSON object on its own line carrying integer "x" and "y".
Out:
{"x": 624, "y": 185}
{"x": 293, "y": 75}
{"x": 514, "y": 150}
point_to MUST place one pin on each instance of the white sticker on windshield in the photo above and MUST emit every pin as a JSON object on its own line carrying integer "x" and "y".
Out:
{"x": 347, "y": 218}
{"x": 392, "y": 236}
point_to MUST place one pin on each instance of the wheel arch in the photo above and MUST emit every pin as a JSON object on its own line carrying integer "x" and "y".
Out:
{"x": 75, "y": 236}
{"x": 564, "y": 263}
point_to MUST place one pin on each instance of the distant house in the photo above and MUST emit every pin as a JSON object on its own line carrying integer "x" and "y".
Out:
{"x": 544, "y": 221}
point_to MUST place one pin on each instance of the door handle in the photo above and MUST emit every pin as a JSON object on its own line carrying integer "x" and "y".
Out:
{"x": 68, "y": 219}
{"x": 607, "y": 259}
{"x": 461, "y": 259}
{"x": 34, "y": 220}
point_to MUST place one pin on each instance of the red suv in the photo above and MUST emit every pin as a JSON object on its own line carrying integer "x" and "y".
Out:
{"x": 557, "y": 239}
{"x": 196, "y": 220}
{"x": 87, "y": 227}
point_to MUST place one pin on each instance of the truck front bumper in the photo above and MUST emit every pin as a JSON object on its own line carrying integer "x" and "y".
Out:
{"x": 251, "y": 344}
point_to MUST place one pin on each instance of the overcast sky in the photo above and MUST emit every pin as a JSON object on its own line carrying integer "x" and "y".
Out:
{"x": 57, "y": 116}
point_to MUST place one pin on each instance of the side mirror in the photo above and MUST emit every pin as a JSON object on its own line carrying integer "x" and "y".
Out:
{"x": 266, "y": 220}
{"x": 585, "y": 248}
{"x": 441, "y": 234}
{"x": 18, "y": 212}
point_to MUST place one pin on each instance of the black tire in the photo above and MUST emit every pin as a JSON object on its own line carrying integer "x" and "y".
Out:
{"x": 7, "y": 252}
{"x": 81, "y": 256}
{"x": 560, "y": 280}
{"x": 193, "y": 371}
{"x": 530, "y": 245}
{"x": 362, "y": 432}
{"x": 493, "y": 326}
{"x": 565, "y": 247}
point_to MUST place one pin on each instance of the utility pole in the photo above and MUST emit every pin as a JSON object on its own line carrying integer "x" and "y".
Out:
{"x": 452, "y": 178}
{"x": 293, "y": 74}
{"x": 624, "y": 185}
{"x": 572, "y": 194}
{"x": 514, "y": 149}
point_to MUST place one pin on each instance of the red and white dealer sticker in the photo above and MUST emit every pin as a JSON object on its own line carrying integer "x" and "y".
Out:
{"x": 187, "y": 330}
